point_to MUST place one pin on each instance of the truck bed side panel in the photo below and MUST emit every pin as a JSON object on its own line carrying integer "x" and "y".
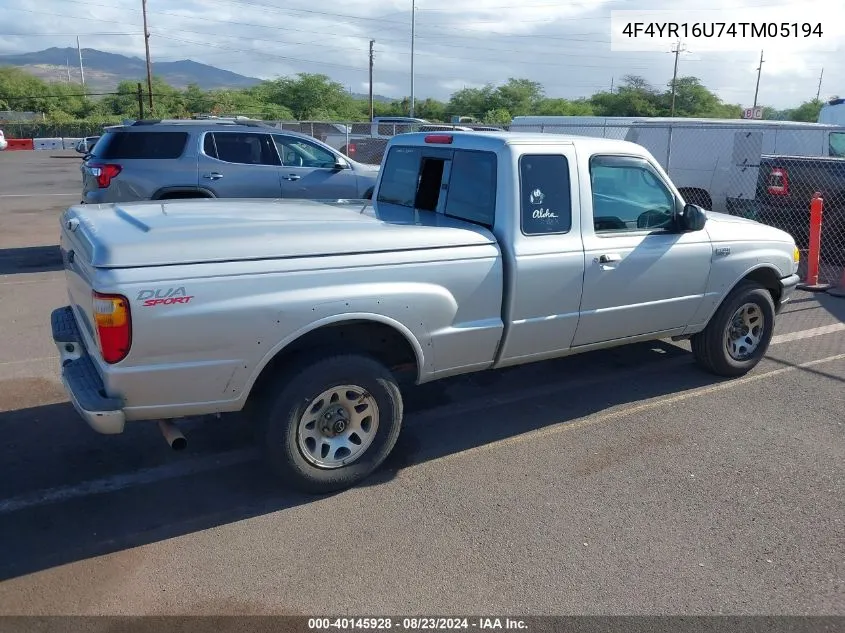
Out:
{"x": 240, "y": 314}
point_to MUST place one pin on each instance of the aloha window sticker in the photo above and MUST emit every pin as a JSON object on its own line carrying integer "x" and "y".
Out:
{"x": 546, "y": 215}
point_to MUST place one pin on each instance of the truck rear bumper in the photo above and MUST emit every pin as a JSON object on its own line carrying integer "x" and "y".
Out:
{"x": 80, "y": 378}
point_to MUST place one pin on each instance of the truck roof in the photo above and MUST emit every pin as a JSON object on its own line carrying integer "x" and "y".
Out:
{"x": 494, "y": 140}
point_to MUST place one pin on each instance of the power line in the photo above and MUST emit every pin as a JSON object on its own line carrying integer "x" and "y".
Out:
{"x": 573, "y": 39}
{"x": 87, "y": 33}
{"x": 81, "y": 94}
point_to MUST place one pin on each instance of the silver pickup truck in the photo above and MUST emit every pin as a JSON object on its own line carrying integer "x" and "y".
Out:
{"x": 478, "y": 251}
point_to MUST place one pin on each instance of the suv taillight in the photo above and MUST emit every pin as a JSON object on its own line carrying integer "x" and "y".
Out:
{"x": 104, "y": 173}
{"x": 778, "y": 182}
{"x": 114, "y": 326}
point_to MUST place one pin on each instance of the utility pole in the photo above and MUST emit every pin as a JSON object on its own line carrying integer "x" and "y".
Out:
{"x": 140, "y": 102}
{"x": 611, "y": 84}
{"x": 677, "y": 49}
{"x": 819, "y": 91}
{"x": 67, "y": 66}
{"x": 147, "y": 47}
{"x": 81, "y": 69}
{"x": 413, "y": 37}
{"x": 371, "y": 79}
{"x": 759, "y": 70}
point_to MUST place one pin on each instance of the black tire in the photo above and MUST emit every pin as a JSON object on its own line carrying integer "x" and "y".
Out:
{"x": 708, "y": 346}
{"x": 306, "y": 380}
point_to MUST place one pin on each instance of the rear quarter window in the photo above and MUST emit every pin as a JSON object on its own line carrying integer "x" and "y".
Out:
{"x": 400, "y": 176}
{"x": 472, "y": 187}
{"x": 460, "y": 183}
{"x": 545, "y": 194}
{"x": 141, "y": 145}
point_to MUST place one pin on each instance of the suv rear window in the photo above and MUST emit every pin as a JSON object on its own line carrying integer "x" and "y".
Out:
{"x": 140, "y": 145}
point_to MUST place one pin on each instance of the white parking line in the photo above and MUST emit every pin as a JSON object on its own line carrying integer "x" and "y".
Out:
{"x": 137, "y": 478}
{"x": 222, "y": 460}
{"x": 802, "y": 334}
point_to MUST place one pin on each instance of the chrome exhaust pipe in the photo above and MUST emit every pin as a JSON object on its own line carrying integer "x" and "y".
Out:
{"x": 172, "y": 435}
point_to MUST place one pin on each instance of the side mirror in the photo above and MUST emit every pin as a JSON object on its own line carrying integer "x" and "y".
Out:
{"x": 692, "y": 218}
{"x": 341, "y": 164}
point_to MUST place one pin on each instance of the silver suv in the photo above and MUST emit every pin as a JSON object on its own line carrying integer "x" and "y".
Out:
{"x": 161, "y": 160}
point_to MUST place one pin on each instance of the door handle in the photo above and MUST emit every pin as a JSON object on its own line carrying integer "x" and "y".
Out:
{"x": 610, "y": 258}
{"x": 291, "y": 177}
{"x": 213, "y": 176}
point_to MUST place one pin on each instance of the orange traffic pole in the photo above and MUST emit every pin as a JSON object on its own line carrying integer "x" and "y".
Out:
{"x": 811, "y": 281}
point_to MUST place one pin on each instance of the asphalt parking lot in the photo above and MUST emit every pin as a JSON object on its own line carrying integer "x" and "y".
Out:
{"x": 621, "y": 482}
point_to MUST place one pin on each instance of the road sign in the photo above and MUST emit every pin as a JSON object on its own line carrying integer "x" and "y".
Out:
{"x": 753, "y": 113}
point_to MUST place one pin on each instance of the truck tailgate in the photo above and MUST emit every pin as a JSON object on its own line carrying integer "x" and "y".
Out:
{"x": 77, "y": 250}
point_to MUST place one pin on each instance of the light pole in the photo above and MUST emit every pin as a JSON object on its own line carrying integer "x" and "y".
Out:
{"x": 413, "y": 34}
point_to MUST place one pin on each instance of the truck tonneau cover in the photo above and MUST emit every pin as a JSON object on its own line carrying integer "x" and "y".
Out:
{"x": 139, "y": 234}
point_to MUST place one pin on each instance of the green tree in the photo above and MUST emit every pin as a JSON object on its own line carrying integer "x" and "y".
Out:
{"x": 563, "y": 107}
{"x": 635, "y": 97}
{"x": 499, "y": 116}
{"x": 518, "y": 96}
{"x": 310, "y": 96}
{"x": 472, "y": 101}
{"x": 807, "y": 111}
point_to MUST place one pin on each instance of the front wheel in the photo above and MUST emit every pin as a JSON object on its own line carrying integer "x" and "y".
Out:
{"x": 333, "y": 423}
{"x": 738, "y": 335}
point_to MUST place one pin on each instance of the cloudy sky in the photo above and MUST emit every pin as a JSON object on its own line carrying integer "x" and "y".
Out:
{"x": 564, "y": 45}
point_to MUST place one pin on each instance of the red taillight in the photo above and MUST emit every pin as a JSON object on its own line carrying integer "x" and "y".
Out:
{"x": 441, "y": 139}
{"x": 351, "y": 149}
{"x": 114, "y": 326}
{"x": 104, "y": 173}
{"x": 778, "y": 182}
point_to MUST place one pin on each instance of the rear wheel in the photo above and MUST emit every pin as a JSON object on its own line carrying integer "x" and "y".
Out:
{"x": 332, "y": 423}
{"x": 739, "y": 333}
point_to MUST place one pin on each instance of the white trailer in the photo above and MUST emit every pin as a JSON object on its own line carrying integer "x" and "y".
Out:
{"x": 714, "y": 162}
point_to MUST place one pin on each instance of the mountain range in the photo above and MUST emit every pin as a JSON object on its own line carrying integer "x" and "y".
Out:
{"x": 103, "y": 71}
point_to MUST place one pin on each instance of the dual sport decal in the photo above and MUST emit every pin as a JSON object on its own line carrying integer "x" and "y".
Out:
{"x": 162, "y": 296}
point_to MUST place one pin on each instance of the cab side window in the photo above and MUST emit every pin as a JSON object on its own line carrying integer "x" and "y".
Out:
{"x": 546, "y": 205}
{"x": 628, "y": 196}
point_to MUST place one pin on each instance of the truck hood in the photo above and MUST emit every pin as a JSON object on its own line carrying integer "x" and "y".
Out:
{"x": 138, "y": 234}
{"x": 723, "y": 227}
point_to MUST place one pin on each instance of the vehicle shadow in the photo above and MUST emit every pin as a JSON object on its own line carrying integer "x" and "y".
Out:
{"x": 835, "y": 306}
{"x": 47, "y": 448}
{"x": 31, "y": 259}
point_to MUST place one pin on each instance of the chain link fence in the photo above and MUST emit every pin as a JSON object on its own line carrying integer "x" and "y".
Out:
{"x": 73, "y": 129}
